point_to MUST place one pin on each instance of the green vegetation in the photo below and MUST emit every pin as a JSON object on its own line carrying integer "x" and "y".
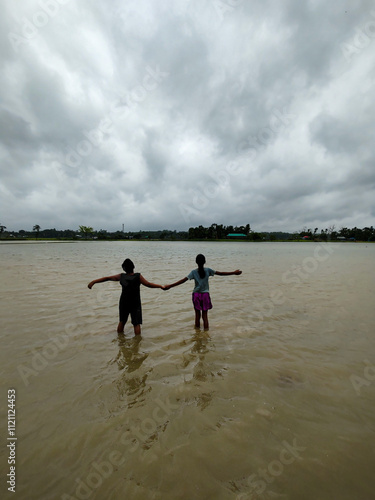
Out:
{"x": 36, "y": 228}
{"x": 215, "y": 232}
{"x": 344, "y": 234}
{"x": 218, "y": 232}
{"x": 86, "y": 231}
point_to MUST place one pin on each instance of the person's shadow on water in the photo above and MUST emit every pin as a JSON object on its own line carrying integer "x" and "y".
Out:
{"x": 131, "y": 385}
{"x": 128, "y": 357}
{"x": 198, "y": 351}
{"x": 202, "y": 370}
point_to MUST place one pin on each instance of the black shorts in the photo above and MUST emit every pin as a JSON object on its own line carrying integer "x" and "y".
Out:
{"x": 135, "y": 314}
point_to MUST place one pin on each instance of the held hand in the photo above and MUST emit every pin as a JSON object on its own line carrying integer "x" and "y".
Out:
{"x": 237, "y": 271}
{"x": 165, "y": 287}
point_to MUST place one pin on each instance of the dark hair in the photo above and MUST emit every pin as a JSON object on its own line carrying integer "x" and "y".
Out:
{"x": 201, "y": 260}
{"x": 128, "y": 266}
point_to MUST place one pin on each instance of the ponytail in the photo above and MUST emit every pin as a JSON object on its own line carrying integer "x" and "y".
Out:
{"x": 201, "y": 260}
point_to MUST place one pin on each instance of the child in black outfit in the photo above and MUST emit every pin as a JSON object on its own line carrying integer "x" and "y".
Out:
{"x": 130, "y": 300}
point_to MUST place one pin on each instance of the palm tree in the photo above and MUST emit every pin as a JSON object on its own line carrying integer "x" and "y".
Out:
{"x": 2, "y": 228}
{"x": 37, "y": 229}
{"x": 86, "y": 230}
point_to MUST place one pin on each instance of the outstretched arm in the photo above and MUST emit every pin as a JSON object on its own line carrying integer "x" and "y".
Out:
{"x": 167, "y": 287}
{"x": 228, "y": 273}
{"x": 116, "y": 277}
{"x": 148, "y": 284}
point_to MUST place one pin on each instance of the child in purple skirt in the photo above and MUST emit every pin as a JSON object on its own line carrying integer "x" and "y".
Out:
{"x": 201, "y": 296}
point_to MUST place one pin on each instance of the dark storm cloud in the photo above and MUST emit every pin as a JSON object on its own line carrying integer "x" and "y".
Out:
{"x": 170, "y": 114}
{"x": 349, "y": 137}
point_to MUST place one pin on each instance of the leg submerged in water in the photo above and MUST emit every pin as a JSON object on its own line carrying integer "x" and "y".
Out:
{"x": 205, "y": 320}
{"x": 197, "y": 318}
{"x": 137, "y": 329}
{"x": 120, "y": 327}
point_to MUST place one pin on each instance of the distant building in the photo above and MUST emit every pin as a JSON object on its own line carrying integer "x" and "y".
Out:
{"x": 236, "y": 235}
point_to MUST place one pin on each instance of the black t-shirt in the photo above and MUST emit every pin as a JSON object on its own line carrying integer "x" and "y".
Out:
{"x": 130, "y": 288}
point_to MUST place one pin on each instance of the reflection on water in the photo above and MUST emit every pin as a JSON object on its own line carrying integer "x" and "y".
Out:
{"x": 128, "y": 357}
{"x": 274, "y": 401}
{"x": 202, "y": 371}
{"x": 131, "y": 386}
{"x": 200, "y": 349}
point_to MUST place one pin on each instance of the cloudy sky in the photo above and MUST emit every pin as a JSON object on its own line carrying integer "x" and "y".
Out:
{"x": 174, "y": 113}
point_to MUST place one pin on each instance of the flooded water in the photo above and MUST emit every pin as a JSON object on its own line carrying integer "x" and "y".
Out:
{"x": 275, "y": 401}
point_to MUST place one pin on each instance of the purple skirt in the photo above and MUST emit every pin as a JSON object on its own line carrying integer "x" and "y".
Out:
{"x": 202, "y": 301}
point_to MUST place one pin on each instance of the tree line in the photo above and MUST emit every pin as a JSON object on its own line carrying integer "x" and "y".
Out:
{"x": 213, "y": 232}
{"x": 345, "y": 233}
{"x": 218, "y": 231}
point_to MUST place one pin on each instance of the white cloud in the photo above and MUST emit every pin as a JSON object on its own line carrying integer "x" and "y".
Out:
{"x": 171, "y": 114}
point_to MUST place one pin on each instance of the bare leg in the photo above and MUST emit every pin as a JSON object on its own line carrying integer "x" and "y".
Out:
{"x": 137, "y": 329}
{"x": 120, "y": 327}
{"x": 197, "y": 318}
{"x": 205, "y": 319}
